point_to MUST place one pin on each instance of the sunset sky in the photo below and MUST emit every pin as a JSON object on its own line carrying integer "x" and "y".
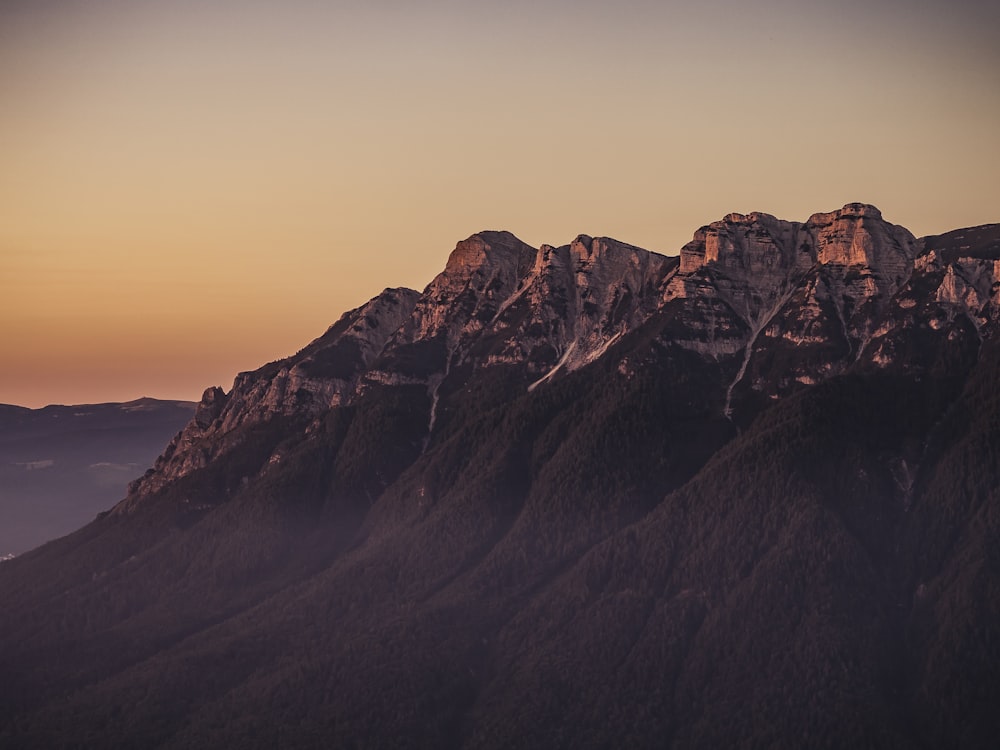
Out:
{"x": 191, "y": 189}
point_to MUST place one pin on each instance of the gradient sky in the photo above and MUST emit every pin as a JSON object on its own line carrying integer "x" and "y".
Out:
{"x": 191, "y": 189}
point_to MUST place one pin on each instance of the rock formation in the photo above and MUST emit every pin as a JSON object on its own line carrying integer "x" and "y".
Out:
{"x": 746, "y": 292}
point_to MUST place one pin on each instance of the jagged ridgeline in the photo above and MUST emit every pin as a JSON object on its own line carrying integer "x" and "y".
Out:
{"x": 576, "y": 496}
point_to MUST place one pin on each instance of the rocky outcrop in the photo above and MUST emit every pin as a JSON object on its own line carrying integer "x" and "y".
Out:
{"x": 756, "y": 263}
{"x": 577, "y": 301}
{"x": 321, "y": 376}
{"x": 947, "y": 308}
{"x": 499, "y": 301}
{"x": 767, "y": 306}
{"x": 755, "y": 285}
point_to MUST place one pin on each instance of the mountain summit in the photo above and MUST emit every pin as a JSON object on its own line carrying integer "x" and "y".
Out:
{"x": 585, "y": 495}
{"x": 748, "y": 295}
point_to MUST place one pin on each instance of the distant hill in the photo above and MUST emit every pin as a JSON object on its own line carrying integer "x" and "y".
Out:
{"x": 61, "y": 465}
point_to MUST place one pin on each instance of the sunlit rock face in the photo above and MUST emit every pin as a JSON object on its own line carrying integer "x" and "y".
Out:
{"x": 948, "y": 306}
{"x": 481, "y": 273}
{"x": 758, "y": 288}
{"x": 576, "y": 302}
{"x": 765, "y": 306}
{"x": 321, "y": 376}
{"x": 756, "y": 263}
{"x": 499, "y": 301}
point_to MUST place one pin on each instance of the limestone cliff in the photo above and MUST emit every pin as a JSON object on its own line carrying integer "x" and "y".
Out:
{"x": 765, "y": 306}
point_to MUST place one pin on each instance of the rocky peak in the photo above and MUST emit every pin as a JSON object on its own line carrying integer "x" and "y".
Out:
{"x": 747, "y": 291}
{"x": 213, "y": 401}
{"x": 954, "y": 292}
{"x": 755, "y": 243}
{"x": 753, "y": 281}
{"x": 849, "y": 211}
{"x": 751, "y": 262}
{"x": 322, "y": 375}
{"x": 525, "y": 305}
{"x": 484, "y": 252}
{"x": 858, "y": 236}
{"x": 761, "y": 252}
{"x": 481, "y": 272}
{"x": 576, "y": 301}
{"x": 582, "y": 244}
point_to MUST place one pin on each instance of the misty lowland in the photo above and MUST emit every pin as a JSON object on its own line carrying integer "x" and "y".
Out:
{"x": 61, "y": 465}
{"x": 585, "y": 496}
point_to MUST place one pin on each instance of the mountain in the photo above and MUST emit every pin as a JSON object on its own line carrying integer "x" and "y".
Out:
{"x": 62, "y": 465}
{"x": 576, "y": 496}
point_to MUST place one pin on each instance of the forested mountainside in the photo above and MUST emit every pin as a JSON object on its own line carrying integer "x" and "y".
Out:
{"x": 577, "y": 496}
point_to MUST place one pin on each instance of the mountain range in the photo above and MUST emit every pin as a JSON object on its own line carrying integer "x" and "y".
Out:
{"x": 575, "y": 496}
{"x": 61, "y": 465}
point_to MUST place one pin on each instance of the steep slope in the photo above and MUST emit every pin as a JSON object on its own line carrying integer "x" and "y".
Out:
{"x": 321, "y": 376}
{"x": 577, "y": 496}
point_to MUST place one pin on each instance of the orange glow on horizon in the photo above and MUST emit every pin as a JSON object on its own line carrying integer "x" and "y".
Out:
{"x": 189, "y": 190}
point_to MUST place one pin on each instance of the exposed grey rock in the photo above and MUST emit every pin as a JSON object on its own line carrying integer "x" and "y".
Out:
{"x": 747, "y": 292}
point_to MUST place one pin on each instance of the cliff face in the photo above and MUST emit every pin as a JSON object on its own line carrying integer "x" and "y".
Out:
{"x": 323, "y": 375}
{"x": 497, "y": 302}
{"x": 768, "y": 306}
{"x": 819, "y": 287}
